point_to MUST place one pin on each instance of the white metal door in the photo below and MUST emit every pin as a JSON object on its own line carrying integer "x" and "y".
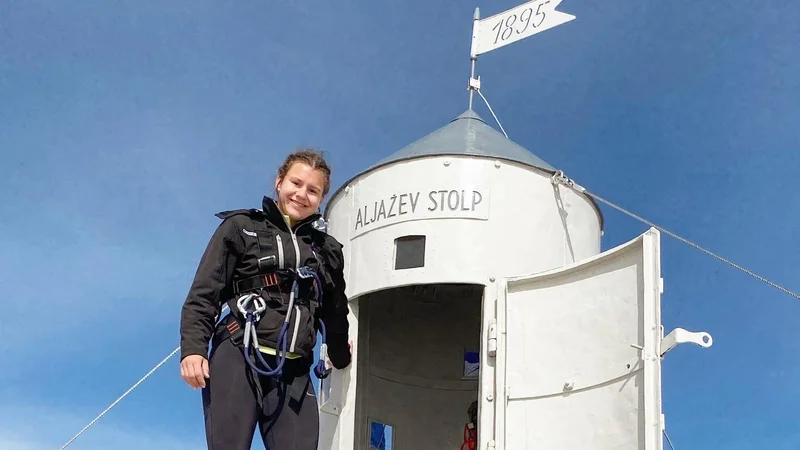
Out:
{"x": 578, "y": 354}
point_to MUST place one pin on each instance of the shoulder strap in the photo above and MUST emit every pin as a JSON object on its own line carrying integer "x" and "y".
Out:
{"x": 235, "y": 212}
{"x": 267, "y": 261}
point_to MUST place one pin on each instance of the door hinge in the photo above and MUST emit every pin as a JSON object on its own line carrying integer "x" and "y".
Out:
{"x": 490, "y": 444}
{"x": 491, "y": 345}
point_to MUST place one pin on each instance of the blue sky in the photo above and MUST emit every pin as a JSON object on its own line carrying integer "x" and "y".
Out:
{"x": 124, "y": 126}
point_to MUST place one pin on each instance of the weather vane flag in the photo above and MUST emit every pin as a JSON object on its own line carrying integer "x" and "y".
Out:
{"x": 515, "y": 24}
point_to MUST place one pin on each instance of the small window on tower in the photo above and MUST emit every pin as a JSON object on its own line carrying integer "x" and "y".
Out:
{"x": 409, "y": 252}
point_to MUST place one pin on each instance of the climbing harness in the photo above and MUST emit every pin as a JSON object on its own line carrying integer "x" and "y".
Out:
{"x": 320, "y": 370}
{"x": 252, "y": 305}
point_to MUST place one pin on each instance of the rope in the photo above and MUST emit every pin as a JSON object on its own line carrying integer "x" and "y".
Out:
{"x": 491, "y": 111}
{"x": 668, "y": 441}
{"x": 135, "y": 385}
{"x": 121, "y": 397}
{"x": 559, "y": 177}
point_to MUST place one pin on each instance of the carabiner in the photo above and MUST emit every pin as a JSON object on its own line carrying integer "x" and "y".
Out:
{"x": 259, "y": 305}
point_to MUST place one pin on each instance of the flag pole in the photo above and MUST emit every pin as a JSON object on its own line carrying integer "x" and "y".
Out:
{"x": 473, "y": 56}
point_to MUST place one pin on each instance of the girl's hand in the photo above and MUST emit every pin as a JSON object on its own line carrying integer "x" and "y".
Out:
{"x": 194, "y": 370}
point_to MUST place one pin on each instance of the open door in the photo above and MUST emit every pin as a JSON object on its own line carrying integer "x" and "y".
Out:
{"x": 578, "y": 354}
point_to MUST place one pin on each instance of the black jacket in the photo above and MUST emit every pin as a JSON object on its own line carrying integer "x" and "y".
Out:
{"x": 232, "y": 256}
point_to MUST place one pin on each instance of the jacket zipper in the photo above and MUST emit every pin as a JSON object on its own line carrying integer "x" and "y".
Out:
{"x": 280, "y": 250}
{"x": 296, "y": 246}
{"x": 296, "y": 252}
{"x": 296, "y": 308}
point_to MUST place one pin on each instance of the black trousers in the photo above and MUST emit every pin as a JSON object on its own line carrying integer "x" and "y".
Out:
{"x": 232, "y": 408}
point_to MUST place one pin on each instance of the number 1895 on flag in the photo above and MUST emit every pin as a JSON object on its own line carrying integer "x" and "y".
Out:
{"x": 515, "y": 24}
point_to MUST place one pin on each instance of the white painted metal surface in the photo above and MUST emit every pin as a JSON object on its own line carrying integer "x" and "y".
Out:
{"x": 570, "y": 340}
{"x": 579, "y": 356}
{"x": 515, "y": 24}
{"x": 681, "y": 336}
{"x": 483, "y": 219}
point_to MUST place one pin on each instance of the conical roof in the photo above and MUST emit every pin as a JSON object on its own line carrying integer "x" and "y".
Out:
{"x": 467, "y": 134}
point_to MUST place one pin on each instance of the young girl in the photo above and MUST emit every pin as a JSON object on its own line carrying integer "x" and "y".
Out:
{"x": 283, "y": 278}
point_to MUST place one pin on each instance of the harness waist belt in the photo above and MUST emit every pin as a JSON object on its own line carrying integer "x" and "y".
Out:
{"x": 272, "y": 279}
{"x": 229, "y": 328}
{"x": 258, "y": 282}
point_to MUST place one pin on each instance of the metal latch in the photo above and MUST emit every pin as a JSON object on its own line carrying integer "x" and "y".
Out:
{"x": 681, "y": 336}
{"x": 492, "y": 336}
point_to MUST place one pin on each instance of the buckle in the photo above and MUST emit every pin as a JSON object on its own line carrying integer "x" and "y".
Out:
{"x": 267, "y": 264}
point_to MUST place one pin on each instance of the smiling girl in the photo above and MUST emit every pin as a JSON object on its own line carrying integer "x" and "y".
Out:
{"x": 266, "y": 257}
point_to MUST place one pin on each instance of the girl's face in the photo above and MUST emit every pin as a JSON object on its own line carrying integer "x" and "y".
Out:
{"x": 300, "y": 191}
